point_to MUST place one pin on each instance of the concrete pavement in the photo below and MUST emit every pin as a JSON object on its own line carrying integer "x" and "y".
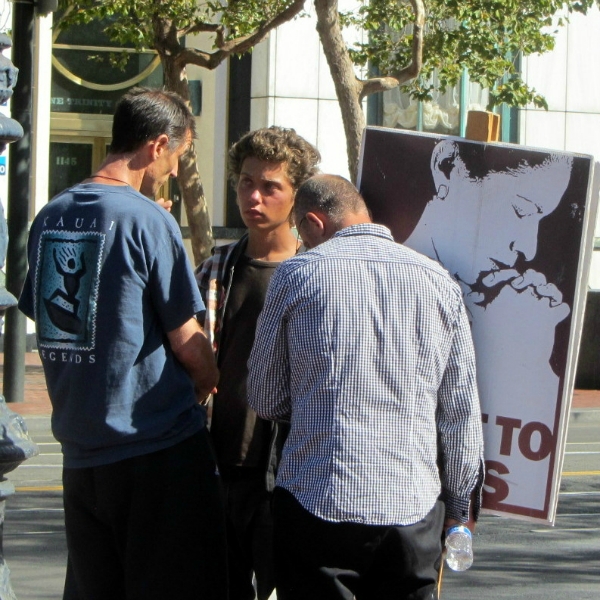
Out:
{"x": 36, "y": 400}
{"x": 512, "y": 558}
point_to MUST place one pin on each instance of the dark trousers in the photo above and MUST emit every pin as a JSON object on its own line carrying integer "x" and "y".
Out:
{"x": 322, "y": 560}
{"x": 249, "y": 533}
{"x": 148, "y": 527}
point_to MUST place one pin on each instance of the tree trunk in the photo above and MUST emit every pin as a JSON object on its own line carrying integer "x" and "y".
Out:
{"x": 347, "y": 87}
{"x": 188, "y": 178}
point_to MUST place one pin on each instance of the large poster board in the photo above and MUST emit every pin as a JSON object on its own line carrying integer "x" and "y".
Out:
{"x": 513, "y": 225}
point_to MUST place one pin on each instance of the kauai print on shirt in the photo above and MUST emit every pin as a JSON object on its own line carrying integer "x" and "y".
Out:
{"x": 67, "y": 281}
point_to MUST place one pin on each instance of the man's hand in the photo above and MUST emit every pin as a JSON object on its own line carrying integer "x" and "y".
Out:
{"x": 166, "y": 204}
{"x": 204, "y": 401}
{"x": 470, "y": 524}
{"x": 522, "y": 319}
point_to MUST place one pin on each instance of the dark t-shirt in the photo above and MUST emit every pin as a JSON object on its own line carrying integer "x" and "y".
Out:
{"x": 239, "y": 436}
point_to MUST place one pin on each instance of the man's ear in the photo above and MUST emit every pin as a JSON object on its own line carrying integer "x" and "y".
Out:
{"x": 443, "y": 162}
{"x": 159, "y": 145}
{"x": 317, "y": 221}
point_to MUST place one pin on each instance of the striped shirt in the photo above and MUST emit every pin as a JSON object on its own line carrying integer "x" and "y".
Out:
{"x": 364, "y": 346}
{"x": 214, "y": 277}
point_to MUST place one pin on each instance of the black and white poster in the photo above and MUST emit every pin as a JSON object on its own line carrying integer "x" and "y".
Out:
{"x": 513, "y": 225}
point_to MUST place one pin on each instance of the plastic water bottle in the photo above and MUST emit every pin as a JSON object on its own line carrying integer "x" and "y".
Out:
{"x": 459, "y": 548}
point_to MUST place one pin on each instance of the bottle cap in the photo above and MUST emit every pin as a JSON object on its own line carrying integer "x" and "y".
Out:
{"x": 458, "y": 529}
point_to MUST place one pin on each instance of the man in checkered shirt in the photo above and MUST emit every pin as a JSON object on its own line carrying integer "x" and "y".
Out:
{"x": 364, "y": 346}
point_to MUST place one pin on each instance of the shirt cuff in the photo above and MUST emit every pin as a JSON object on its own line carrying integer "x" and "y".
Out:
{"x": 457, "y": 508}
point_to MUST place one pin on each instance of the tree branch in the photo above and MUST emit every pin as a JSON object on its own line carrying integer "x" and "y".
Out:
{"x": 211, "y": 60}
{"x": 240, "y": 45}
{"x": 377, "y": 84}
{"x": 412, "y": 70}
{"x": 206, "y": 60}
{"x": 200, "y": 27}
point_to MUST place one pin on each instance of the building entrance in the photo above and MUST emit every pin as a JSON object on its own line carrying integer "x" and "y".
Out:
{"x": 72, "y": 159}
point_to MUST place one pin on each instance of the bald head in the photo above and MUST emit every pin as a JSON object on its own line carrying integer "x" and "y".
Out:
{"x": 330, "y": 195}
{"x": 325, "y": 204}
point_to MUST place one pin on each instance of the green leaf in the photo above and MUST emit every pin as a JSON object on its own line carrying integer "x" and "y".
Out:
{"x": 484, "y": 36}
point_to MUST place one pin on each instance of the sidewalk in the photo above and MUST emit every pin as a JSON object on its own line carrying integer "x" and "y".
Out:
{"x": 36, "y": 396}
{"x": 37, "y": 401}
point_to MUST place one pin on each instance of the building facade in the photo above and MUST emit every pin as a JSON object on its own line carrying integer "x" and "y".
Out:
{"x": 284, "y": 81}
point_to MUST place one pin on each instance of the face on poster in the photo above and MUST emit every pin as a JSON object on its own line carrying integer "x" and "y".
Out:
{"x": 507, "y": 223}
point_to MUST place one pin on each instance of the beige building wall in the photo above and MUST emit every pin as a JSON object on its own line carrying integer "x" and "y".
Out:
{"x": 292, "y": 87}
{"x": 569, "y": 78}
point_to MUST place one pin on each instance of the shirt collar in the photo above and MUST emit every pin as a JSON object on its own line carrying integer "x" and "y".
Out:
{"x": 365, "y": 229}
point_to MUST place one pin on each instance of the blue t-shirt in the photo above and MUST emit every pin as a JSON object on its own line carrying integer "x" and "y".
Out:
{"x": 108, "y": 277}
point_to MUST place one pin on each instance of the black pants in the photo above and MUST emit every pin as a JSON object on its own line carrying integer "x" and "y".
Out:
{"x": 148, "y": 527}
{"x": 249, "y": 533}
{"x": 322, "y": 560}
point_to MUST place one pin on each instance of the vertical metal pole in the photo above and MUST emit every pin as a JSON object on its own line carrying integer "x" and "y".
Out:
{"x": 420, "y": 115}
{"x": 17, "y": 446}
{"x": 464, "y": 102}
{"x": 14, "y": 439}
{"x": 19, "y": 190}
{"x": 505, "y": 123}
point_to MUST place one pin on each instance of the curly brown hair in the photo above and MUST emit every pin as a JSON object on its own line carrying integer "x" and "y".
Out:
{"x": 278, "y": 145}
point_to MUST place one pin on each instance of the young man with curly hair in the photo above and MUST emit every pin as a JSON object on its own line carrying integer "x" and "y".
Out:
{"x": 266, "y": 166}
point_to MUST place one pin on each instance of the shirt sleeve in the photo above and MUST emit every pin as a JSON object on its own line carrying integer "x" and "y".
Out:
{"x": 459, "y": 426}
{"x": 172, "y": 285}
{"x": 202, "y": 275}
{"x": 268, "y": 367}
{"x": 26, "y": 299}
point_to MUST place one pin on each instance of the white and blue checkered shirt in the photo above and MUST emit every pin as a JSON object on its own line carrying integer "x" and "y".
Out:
{"x": 365, "y": 347}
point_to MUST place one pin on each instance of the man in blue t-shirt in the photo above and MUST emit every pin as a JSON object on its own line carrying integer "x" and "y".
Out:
{"x": 128, "y": 368}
